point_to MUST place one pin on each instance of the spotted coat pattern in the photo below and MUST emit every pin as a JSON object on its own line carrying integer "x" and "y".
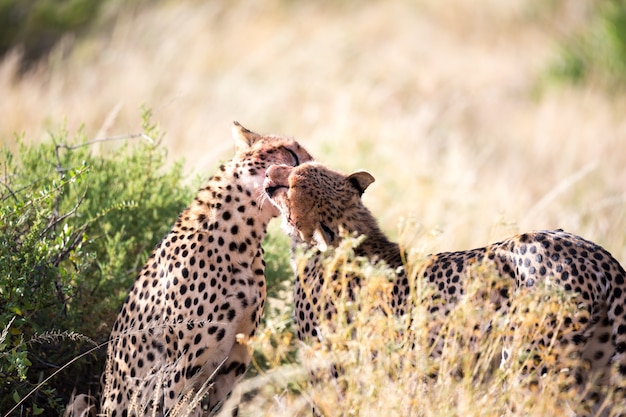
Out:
{"x": 201, "y": 293}
{"x": 319, "y": 205}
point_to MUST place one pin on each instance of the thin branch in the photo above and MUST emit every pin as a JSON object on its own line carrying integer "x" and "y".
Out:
{"x": 17, "y": 200}
{"x": 59, "y": 169}
{"x": 23, "y": 188}
{"x": 108, "y": 139}
{"x": 54, "y": 221}
{"x": 41, "y": 361}
{"x": 78, "y": 236}
{"x": 58, "y": 187}
{"x": 3, "y": 182}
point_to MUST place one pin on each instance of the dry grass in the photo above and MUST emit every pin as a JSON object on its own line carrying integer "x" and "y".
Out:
{"x": 440, "y": 101}
{"x": 389, "y": 370}
{"x": 386, "y": 362}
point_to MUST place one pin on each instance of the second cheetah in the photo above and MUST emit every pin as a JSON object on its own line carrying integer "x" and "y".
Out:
{"x": 320, "y": 205}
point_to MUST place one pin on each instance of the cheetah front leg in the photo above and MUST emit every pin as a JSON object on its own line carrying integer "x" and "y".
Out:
{"x": 210, "y": 372}
{"x": 222, "y": 399}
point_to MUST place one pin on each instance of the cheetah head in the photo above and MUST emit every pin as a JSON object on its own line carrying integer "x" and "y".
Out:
{"x": 316, "y": 202}
{"x": 256, "y": 152}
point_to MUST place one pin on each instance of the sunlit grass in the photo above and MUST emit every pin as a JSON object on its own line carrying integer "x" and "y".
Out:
{"x": 386, "y": 363}
{"x": 436, "y": 99}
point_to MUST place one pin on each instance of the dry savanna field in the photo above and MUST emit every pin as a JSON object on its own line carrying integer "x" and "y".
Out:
{"x": 447, "y": 104}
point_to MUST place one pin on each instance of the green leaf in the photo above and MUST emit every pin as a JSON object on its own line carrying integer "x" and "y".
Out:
{"x": 36, "y": 410}
{"x": 16, "y": 310}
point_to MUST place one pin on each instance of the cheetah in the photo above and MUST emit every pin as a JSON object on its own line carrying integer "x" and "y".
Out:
{"x": 201, "y": 293}
{"x": 319, "y": 206}
{"x": 306, "y": 199}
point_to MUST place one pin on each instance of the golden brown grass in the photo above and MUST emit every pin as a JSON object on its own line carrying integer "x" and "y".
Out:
{"x": 441, "y": 101}
{"x": 437, "y": 100}
{"x": 386, "y": 362}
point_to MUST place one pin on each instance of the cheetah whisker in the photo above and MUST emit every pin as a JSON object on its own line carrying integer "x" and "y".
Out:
{"x": 262, "y": 198}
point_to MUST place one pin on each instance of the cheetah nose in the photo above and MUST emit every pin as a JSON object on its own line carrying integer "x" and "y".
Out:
{"x": 278, "y": 171}
{"x": 270, "y": 170}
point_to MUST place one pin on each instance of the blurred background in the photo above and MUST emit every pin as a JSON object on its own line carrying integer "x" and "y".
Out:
{"x": 478, "y": 119}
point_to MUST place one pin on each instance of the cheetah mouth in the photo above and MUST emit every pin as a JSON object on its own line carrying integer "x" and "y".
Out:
{"x": 271, "y": 187}
{"x": 271, "y": 190}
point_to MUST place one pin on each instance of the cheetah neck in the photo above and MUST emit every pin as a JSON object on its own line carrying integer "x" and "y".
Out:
{"x": 376, "y": 246}
{"x": 230, "y": 199}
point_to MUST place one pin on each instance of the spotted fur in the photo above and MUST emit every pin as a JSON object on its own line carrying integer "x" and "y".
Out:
{"x": 320, "y": 205}
{"x": 200, "y": 294}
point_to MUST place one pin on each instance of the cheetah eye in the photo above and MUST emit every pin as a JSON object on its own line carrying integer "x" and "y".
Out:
{"x": 295, "y": 157}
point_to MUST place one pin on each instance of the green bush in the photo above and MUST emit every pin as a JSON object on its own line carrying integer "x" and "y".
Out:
{"x": 597, "y": 53}
{"x": 76, "y": 225}
{"x": 78, "y": 219}
{"x": 36, "y": 25}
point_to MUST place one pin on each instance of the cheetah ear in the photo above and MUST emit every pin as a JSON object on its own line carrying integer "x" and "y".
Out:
{"x": 243, "y": 137}
{"x": 361, "y": 180}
